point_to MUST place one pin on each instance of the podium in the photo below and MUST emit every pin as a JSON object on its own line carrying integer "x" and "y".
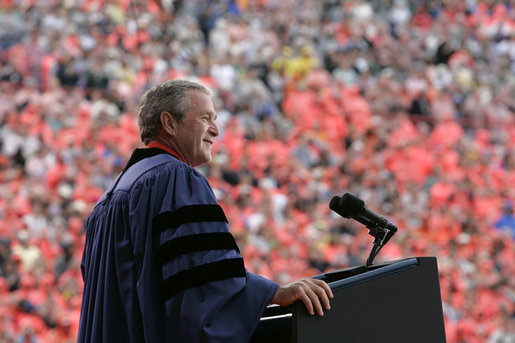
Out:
{"x": 391, "y": 302}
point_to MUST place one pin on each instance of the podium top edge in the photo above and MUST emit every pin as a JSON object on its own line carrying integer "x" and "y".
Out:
{"x": 378, "y": 271}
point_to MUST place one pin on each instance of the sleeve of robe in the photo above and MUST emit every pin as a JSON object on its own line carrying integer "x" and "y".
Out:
{"x": 208, "y": 295}
{"x": 160, "y": 265}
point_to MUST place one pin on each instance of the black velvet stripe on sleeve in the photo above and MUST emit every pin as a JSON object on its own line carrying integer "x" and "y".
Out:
{"x": 194, "y": 243}
{"x": 188, "y": 214}
{"x": 200, "y": 275}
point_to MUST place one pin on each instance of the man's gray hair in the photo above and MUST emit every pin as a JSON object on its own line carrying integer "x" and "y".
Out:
{"x": 170, "y": 96}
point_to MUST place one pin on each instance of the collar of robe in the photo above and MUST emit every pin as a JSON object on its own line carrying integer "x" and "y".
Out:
{"x": 152, "y": 149}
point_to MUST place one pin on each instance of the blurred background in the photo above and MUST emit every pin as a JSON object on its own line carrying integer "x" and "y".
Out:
{"x": 409, "y": 105}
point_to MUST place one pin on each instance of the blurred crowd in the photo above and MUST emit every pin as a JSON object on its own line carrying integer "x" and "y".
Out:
{"x": 409, "y": 105}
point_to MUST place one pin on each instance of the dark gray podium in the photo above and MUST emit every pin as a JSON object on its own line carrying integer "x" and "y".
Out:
{"x": 392, "y": 302}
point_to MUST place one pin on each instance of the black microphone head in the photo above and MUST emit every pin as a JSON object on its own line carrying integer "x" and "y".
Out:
{"x": 347, "y": 206}
{"x": 352, "y": 205}
{"x": 335, "y": 204}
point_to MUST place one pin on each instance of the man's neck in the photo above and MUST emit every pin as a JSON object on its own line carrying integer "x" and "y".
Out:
{"x": 155, "y": 144}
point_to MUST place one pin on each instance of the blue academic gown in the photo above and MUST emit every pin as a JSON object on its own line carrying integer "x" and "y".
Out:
{"x": 160, "y": 265}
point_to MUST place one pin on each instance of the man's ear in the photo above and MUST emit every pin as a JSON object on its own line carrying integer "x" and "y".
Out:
{"x": 168, "y": 123}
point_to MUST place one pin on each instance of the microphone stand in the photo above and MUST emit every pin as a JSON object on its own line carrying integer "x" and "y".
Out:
{"x": 379, "y": 233}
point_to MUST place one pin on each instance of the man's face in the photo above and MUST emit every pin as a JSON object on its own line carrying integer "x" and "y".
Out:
{"x": 197, "y": 131}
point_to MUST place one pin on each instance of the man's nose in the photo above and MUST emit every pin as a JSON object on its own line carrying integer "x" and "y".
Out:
{"x": 213, "y": 129}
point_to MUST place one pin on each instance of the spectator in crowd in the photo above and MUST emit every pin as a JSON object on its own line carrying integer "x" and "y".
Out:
{"x": 507, "y": 220}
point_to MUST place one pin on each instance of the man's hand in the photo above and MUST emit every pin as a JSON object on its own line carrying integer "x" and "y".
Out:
{"x": 314, "y": 293}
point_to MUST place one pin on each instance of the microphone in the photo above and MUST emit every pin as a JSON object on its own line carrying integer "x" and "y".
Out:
{"x": 350, "y": 206}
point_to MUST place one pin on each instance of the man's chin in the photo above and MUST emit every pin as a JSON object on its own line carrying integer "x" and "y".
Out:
{"x": 205, "y": 160}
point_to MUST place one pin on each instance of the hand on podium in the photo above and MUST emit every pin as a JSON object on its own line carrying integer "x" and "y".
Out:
{"x": 314, "y": 293}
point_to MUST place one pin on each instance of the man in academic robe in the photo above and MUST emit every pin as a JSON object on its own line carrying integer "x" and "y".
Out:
{"x": 160, "y": 264}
